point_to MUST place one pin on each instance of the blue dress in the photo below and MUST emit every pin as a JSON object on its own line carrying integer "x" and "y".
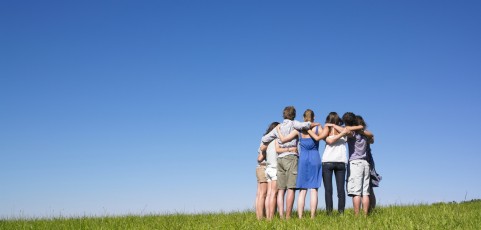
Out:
{"x": 309, "y": 173}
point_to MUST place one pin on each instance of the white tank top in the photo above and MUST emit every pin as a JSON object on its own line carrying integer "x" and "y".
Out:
{"x": 337, "y": 152}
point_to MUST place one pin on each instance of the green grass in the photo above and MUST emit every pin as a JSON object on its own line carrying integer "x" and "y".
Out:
{"x": 464, "y": 215}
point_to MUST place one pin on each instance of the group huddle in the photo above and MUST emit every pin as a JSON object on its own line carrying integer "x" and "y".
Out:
{"x": 289, "y": 160}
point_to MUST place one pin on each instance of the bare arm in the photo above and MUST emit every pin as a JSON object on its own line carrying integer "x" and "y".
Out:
{"x": 337, "y": 127}
{"x": 283, "y": 150}
{"x": 321, "y": 136}
{"x": 332, "y": 139}
{"x": 261, "y": 156}
{"x": 287, "y": 138}
{"x": 261, "y": 152}
{"x": 349, "y": 128}
{"x": 355, "y": 128}
{"x": 263, "y": 147}
{"x": 368, "y": 134}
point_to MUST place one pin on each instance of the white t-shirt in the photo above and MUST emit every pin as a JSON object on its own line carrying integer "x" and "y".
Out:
{"x": 271, "y": 155}
{"x": 336, "y": 152}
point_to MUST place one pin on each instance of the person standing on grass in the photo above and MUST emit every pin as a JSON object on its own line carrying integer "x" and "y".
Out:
{"x": 287, "y": 160}
{"x": 270, "y": 156}
{"x": 334, "y": 161}
{"x": 374, "y": 177}
{"x": 271, "y": 174}
{"x": 309, "y": 173}
{"x": 261, "y": 186}
{"x": 358, "y": 176}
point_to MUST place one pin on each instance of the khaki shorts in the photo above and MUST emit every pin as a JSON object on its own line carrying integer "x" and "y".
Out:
{"x": 261, "y": 174}
{"x": 287, "y": 172}
{"x": 358, "y": 178}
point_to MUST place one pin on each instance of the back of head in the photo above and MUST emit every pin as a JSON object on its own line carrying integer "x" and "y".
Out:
{"x": 333, "y": 118}
{"x": 271, "y": 127}
{"x": 309, "y": 115}
{"x": 360, "y": 121}
{"x": 349, "y": 119}
{"x": 289, "y": 113}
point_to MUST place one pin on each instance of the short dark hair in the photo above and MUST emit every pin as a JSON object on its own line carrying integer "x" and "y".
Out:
{"x": 289, "y": 113}
{"x": 349, "y": 119}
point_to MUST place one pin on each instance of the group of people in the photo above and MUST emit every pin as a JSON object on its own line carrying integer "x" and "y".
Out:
{"x": 289, "y": 160}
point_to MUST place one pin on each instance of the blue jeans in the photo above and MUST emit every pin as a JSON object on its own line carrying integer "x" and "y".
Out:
{"x": 339, "y": 170}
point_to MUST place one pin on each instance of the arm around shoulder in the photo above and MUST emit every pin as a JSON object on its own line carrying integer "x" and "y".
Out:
{"x": 368, "y": 134}
{"x": 266, "y": 139}
{"x": 320, "y": 136}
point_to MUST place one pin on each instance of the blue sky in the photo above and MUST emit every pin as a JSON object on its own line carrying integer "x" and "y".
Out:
{"x": 115, "y": 107}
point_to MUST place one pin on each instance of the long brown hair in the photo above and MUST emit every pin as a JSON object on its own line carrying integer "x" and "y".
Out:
{"x": 360, "y": 121}
{"x": 271, "y": 127}
{"x": 334, "y": 118}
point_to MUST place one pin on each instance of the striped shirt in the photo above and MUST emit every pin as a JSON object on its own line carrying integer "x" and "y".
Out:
{"x": 286, "y": 127}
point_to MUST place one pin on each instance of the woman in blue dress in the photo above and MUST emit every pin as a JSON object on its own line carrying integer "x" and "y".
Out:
{"x": 309, "y": 173}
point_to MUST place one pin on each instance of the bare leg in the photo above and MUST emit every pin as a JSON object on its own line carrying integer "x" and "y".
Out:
{"x": 291, "y": 194}
{"x": 356, "y": 203}
{"x": 280, "y": 202}
{"x": 313, "y": 202}
{"x": 257, "y": 200}
{"x": 372, "y": 200}
{"x": 301, "y": 200}
{"x": 268, "y": 203}
{"x": 271, "y": 199}
{"x": 261, "y": 198}
{"x": 365, "y": 204}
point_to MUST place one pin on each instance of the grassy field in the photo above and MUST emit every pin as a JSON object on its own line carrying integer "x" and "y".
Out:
{"x": 464, "y": 215}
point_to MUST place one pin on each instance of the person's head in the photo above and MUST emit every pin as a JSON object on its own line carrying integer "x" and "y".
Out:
{"x": 309, "y": 115}
{"x": 349, "y": 119}
{"x": 271, "y": 127}
{"x": 360, "y": 121}
{"x": 289, "y": 113}
{"x": 333, "y": 118}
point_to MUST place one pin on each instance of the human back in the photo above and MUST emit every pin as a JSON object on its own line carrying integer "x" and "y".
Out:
{"x": 309, "y": 174}
{"x": 335, "y": 150}
{"x": 334, "y": 162}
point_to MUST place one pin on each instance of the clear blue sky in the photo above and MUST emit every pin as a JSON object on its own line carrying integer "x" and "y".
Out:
{"x": 115, "y": 107}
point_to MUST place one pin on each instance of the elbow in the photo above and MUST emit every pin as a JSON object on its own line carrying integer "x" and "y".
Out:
{"x": 263, "y": 147}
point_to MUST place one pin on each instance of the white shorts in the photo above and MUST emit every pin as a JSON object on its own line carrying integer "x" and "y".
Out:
{"x": 271, "y": 174}
{"x": 358, "y": 178}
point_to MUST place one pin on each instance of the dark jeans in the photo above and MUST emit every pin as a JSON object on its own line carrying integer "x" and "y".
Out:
{"x": 339, "y": 170}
